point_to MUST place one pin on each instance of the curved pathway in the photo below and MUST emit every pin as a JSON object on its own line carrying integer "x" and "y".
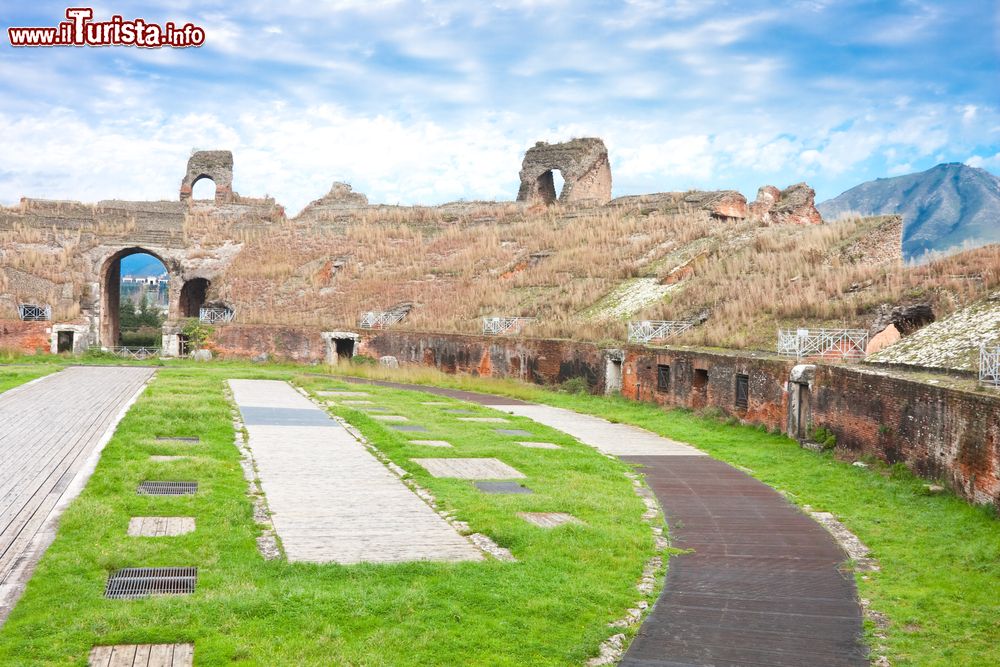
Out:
{"x": 762, "y": 583}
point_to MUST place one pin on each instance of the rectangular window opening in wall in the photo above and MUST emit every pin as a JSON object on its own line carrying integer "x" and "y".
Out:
{"x": 742, "y": 391}
{"x": 700, "y": 382}
{"x": 662, "y": 377}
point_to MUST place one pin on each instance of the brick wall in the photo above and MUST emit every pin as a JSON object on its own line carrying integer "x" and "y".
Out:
{"x": 26, "y": 337}
{"x": 289, "y": 343}
{"x": 939, "y": 433}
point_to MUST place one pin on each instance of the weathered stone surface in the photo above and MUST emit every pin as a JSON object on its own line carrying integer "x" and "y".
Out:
{"x": 214, "y": 165}
{"x": 906, "y": 318}
{"x": 389, "y": 361}
{"x": 721, "y": 204}
{"x": 583, "y": 164}
{"x": 796, "y": 205}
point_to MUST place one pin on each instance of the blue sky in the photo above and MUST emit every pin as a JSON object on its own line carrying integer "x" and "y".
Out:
{"x": 427, "y": 102}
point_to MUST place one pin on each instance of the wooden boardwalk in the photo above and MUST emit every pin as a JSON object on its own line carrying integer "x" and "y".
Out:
{"x": 51, "y": 432}
{"x": 331, "y": 500}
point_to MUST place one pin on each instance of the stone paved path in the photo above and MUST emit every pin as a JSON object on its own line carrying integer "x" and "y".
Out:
{"x": 332, "y": 501}
{"x": 761, "y": 585}
{"x": 51, "y": 433}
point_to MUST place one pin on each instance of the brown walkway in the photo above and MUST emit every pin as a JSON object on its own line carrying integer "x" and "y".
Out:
{"x": 762, "y": 585}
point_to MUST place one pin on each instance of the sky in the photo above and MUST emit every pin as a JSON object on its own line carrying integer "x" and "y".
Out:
{"x": 435, "y": 101}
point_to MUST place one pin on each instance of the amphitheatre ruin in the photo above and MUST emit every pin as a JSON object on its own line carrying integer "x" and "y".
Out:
{"x": 757, "y": 316}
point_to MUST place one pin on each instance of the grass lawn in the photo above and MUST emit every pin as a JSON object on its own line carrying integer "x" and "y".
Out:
{"x": 12, "y": 376}
{"x": 552, "y": 607}
{"x": 939, "y": 586}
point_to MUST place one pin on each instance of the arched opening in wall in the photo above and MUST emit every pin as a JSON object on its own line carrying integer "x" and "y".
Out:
{"x": 135, "y": 299}
{"x": 193, "y": 296}
{"x": 550, "y": 186}
{"x": 203, "y": 188}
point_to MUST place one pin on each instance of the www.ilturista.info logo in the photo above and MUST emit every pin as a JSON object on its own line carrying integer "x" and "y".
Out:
{"x": 80, "y": 30}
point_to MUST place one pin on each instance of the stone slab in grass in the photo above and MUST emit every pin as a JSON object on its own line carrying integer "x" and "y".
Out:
{"x": 160, "y": 526}
{"x": 477, "y": 468}
{"x": 375, "y": 408}
{"x": 167, "y": 459}
{"x": 260, "y": 416}
{"x": 459, "y": 411}
{"x": 549, "y": 519}
{"x": 485, "y": 420}
{"x": 513, "y": 431}
{"x": 358, "y": 402}
{"x": 538, "y": 445}
{"x": 391, "y": 418}
{"x": 142, "y": 655}
{"x": 502, "y": 487}
{"x": 342, "y": 393}
{"x": 431, "y": 443}
{"x": 409, "y": 428}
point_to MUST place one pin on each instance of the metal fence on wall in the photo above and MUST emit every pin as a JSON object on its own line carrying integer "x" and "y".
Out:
{"x": 989, "y": 365}
{"x": 216, "y": 315}
{"x": 496, "y": 326}
{"x": 32, "y": 313}
{"x": 650, "y": 330}
{"x": 844, "y": 343}
{"x": 379, "y": 320}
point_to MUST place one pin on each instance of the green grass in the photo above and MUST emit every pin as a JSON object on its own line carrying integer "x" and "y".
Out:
{"x": 550, "y": 608}
{"x": 940, "y": 557}
{"x": 12, "y": 376}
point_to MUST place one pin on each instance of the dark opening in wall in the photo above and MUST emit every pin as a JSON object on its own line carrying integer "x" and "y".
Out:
{"x": 662, "y": 377}
{"x": 64, "y": 341}
{"x": 700, "y": 381}
{"x": 742, "y": 391}
{"x": 193, "y": 296}
{"x": 344, "y": 348}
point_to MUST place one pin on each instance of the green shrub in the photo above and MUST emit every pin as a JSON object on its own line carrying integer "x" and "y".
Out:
{"x": 577, "y": 385}
{"x": 824, "y": 437}
{"x": 363, "y": 360}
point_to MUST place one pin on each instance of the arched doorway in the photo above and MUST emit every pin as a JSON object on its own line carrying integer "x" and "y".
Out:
{"x": 550, "y": 186}
{"x": 145, "y": 284}
{"x": 193, "y": 295}
{"x": 204, "y": 188}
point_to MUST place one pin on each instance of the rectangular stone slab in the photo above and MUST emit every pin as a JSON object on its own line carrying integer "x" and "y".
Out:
{"x": 484, "y": 420}
{"x": 358, "y": 402}
{"x": 548, "y": 519}
{"x": 513, "y": 431}
{"x": 263, "y": 416}
{"x": 502, "y": 487}
{"x": 411, "y": 428}
{"x": 478, "y": 468}
{"x": 390, "y": 418}
{"x": 160, "y": 526}
{"x": 538, "y": 445}
{"x": 431, "y": 443}
{"x": 142, "y": 655}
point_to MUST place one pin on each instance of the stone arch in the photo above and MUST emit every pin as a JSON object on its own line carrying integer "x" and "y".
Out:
{"x": 111, "y": 272}
{"x": 202, "y": 179}
{"x": 194, "y": 293}
{"x": 214, "y": 165}
{"x": 583, "y": 164}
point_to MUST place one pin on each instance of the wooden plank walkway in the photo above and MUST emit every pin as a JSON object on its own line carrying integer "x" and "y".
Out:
{"x": 332, "y": 501}
{"x": 761, "y": 584}
{"x": 51, "y": 432}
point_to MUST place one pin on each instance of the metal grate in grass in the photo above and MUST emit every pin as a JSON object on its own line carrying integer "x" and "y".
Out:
{"x": 137, "y": 582}
{"x": 152, "y": 488}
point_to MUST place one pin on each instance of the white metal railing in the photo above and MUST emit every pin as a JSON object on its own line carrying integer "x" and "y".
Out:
{"x": 140, "y": 353}
{"x": 380, "y": 320}
{"x": 33, "y": 313}
{"x": 844, "y": 343}
{"x": 648, "y": 330}
{"x": 216, "y": 315}
{"x": 497, "y": 326}
{"x": 989, "y": 365}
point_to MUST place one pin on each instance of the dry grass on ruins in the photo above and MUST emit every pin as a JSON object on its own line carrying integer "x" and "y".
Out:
{"x": 571, "y": 268}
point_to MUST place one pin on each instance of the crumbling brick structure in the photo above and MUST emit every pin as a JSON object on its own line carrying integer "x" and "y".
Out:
{"x": 584, "y": 166}
{"x": 217, "y": 166}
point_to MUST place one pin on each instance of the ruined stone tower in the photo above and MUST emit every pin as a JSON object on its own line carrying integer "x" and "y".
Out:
{"x": 584, "y": 166}
{"x": 217, "y": 166}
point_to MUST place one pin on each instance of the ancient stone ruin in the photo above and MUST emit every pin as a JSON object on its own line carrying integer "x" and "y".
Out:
{"x": 216, "y": 166}
{"x": 583, "y": 164}
{"x": 795, "y": 205}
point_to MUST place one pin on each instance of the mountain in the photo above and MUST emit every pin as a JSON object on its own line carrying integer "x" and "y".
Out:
{"x": 142, "y": 265}
{"x": 948, "y": 206}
